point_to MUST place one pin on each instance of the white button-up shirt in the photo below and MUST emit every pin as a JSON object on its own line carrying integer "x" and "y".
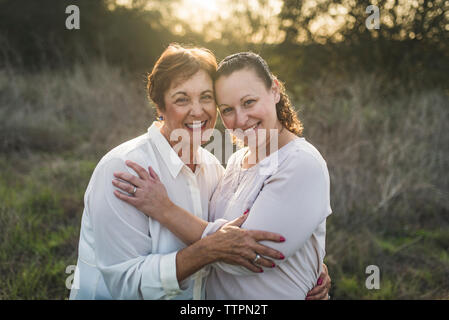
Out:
{"x": 123, "y": 254}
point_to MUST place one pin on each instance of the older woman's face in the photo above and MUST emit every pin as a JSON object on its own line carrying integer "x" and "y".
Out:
{"x": 190, "y": 105}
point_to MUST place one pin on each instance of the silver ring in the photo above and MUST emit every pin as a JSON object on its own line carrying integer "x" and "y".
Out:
{"x": 256, "y": 258}
{"x": 134, "y": 190}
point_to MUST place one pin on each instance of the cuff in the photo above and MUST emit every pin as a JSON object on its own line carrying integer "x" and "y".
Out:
{"x": 213, "y": 227}
{"x": 167, "y": 269}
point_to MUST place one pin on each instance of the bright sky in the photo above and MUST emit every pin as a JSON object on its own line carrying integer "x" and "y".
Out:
{"x": 187, "y": 6}
{"x": 212, "y": 6}
{"x": 199, "y": 12}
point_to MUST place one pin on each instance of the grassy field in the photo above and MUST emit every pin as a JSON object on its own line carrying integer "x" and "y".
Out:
{"x": 386, "y": 151}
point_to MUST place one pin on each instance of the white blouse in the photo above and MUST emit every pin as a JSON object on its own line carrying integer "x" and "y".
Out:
{"x": 123, "y": 254}
{"x": 288, "y": 193}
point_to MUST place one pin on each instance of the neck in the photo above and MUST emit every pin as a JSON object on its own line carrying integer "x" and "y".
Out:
{"x": 186, "y": 151}
{"x": 273, "y": 143}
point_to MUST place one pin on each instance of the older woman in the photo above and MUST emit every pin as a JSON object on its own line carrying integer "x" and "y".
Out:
{"x": 123, "y": 254}
{"x": 290, "y": 197}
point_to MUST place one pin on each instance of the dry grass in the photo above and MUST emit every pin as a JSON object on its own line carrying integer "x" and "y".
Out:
{"x": 387, "y": 153}
{"x": 86, "y": 108}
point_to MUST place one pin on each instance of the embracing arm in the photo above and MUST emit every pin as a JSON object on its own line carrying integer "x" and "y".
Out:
{"x": 152, "y": 199}
{"x": 214, "y": 248}
{"x": 230, "y": 243}
{"x": 182, "y": 223}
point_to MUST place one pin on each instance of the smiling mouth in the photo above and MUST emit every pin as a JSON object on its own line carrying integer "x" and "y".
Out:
{"x": 196, "y": 125}
{"x": 253, "y": 127}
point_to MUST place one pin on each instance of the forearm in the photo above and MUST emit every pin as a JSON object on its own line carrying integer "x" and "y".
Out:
{"x": 182, "y": 223}
{"x": 191, "y": 259}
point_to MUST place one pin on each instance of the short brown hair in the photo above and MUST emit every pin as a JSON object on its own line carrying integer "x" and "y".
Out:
{"x": 249, "y": 60}
{"x": 174, "y": 63}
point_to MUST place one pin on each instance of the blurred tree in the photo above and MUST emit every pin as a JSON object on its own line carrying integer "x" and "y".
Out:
{"x": 413, "y": 37}
{"x": 309, "y": 37}
{"x": 292, "y": 21}
{"x": 33, "y": 33}
{"x": 400, "y": 20}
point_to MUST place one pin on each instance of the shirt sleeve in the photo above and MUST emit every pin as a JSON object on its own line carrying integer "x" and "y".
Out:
{"x": 123, "y": 244}
{"x": 213, "y": 227}
{"x": 294, "y": 201}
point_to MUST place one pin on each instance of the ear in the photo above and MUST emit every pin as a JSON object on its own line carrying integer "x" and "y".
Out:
{"x": 159, "y": 113}
{"x": 276, "y": 90}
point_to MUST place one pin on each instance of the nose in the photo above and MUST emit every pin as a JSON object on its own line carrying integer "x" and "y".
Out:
{"x": 197, "y": 110}
{"x": 241, "y": 119}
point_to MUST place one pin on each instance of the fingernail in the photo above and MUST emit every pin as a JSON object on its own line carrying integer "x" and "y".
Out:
{"x": 320, "y": 281}
{"x": 281, "y": 239}
{"x": 273, "y": 265}
{"x": 282, "y": 256}
{"x": 261, "y": 270}
{"x": 247, "y": 210}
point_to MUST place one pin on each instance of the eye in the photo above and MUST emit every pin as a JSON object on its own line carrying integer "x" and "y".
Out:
{"x": 182, "y": 101}
{"x": 207, "y": 97}
{"x": 248, "y": 102}
{"x": 226, "y": 110}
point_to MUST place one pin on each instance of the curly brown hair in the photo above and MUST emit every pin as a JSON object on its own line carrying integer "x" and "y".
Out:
{"x": 243, "y": 60}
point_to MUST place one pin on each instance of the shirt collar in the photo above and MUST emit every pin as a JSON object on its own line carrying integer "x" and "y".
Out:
{"x": 168, "y": 155}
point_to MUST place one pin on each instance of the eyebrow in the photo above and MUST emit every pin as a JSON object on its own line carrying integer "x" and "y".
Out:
{"x": 224, "y": 104}
{"x": 178, "y": 92}
{"x": 184, "y": 93}
{"x": 244, "y": 96}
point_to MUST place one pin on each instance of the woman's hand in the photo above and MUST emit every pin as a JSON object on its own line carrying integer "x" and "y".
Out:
{"x": 234, "y": 245}
{"x": 321, "y": 290}
{"x": 149, "y": 194}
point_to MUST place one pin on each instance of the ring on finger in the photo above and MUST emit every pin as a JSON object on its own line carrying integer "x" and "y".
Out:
{"x": 256, "y": 258}
{"x": 134, "y": 190}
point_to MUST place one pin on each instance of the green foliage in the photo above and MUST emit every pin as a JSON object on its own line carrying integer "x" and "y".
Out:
{"x": 117, "y": 34}
{"x": 411, "y": 266}
{"x": 402, "y": 20}
{"x": 40, "y": 215}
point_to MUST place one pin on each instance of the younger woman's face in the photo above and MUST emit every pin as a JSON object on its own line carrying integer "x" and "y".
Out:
{"x": 245, "y": 103}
